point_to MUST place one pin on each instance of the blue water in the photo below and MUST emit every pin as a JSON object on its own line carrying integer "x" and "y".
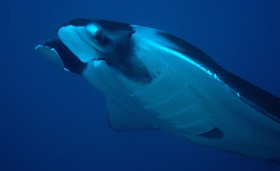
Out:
{"x": 54, "y": 120}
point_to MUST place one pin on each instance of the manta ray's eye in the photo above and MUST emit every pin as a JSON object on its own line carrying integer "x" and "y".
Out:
{"x": 101, "y": 38}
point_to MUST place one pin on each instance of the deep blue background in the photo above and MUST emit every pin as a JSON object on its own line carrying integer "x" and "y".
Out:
{"x": 53, "y": 120}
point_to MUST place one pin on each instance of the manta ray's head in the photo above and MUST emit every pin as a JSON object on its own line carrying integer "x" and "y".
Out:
{"x": 94, "y": 39}
{"x": 81, "y": 41}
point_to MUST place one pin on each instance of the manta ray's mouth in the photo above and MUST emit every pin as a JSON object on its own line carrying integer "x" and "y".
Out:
{"x": 55, "y": 51}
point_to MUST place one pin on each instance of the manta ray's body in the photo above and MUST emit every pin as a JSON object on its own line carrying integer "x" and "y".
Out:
{"x": 154, "y": 80}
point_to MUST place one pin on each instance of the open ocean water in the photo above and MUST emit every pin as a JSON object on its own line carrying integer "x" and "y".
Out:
{"x": 52, "y": 120}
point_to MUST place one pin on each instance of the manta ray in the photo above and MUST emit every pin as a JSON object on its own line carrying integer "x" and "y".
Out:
{"x": 156, "y": 81}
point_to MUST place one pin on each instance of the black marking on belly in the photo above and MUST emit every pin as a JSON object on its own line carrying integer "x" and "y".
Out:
{"x": 214, "y": 133}
{"x": 124, "y": 61}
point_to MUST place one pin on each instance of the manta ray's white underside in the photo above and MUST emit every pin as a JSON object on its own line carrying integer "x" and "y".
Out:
{"x": 154, "y": 80}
